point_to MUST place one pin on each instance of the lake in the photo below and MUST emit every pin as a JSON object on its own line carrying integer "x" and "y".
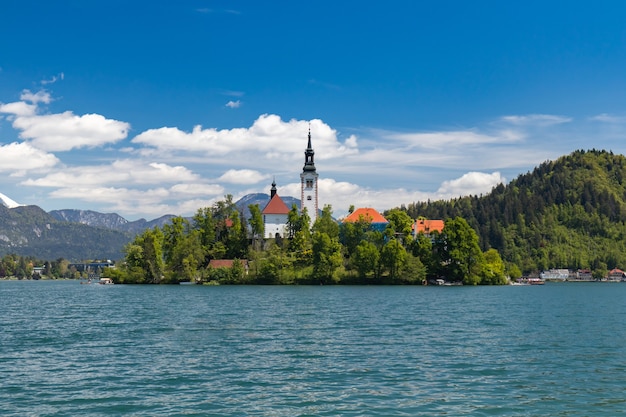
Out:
{"x": 69, "y": 349}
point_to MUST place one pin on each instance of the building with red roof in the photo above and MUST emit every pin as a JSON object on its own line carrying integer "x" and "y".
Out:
{"x": 365, "y": 214}
{"x": 427, "y": 227}
{"x": 275, "y": 215}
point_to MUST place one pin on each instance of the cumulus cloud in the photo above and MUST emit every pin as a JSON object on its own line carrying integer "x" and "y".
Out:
{"x": 268, "y": 138}
{"x": 67, "y": 131}
{"x": 18, "y": 158}
{"x": 121, "y": 172}
{"x": 18, "y": 108}
{"x": 60, "y": 131}
{"x": 242, "y": 176}
{"x": 234, "y": 104}
{"x": 154, "y": 202}
{"x": 41, "y": 96}
{"x": 474, "y": 183}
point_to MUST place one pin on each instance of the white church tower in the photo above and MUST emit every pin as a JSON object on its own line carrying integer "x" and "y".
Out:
{"x": 308, "y": 183}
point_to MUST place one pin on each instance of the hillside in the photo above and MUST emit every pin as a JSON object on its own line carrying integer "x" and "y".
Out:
{"x": 567, "y": 213}
{"x": 30, "y": 231}
{"x": 79, "y": 235}
{"x": 108, "y": 220}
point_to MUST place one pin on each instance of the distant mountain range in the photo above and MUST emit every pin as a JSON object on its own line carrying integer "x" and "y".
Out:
{"x": 79, "y": 235}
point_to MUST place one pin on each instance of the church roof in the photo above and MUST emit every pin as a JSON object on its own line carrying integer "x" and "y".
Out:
{"x": 276, "y": 206}
{"x": 366, "y": 213}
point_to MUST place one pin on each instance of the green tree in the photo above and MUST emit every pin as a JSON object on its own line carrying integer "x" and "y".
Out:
{"x": 366, "y": 258}
{"x": 459, "y": 252}
{"x": 326, "y": 224}
{"x": 400, "y": 223}
{"x": 493, "y": 269}
{"x": 326, "y": 256}
{"x": 204, "y": 222}
{"x": 413, "y": 271}
{"x": 393, "y": 257}
{"x": 182, "y": 250}
{"x": 257, "y": 225}
{"x": 351, "y": 234}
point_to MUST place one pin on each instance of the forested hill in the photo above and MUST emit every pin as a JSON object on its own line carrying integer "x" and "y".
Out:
{"x": 568, "y": 213}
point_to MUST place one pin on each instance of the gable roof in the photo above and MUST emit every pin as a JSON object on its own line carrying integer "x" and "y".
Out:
{"x": 428, "y": 226}
{"x": 276, "y": 206}
{"x": 225, "y": 263}
{"x": 367, "y": 213}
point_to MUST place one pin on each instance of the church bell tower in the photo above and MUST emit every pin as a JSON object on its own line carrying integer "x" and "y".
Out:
{"x": 308, "y": 183}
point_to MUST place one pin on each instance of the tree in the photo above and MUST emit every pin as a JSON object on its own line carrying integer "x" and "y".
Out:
{"x": 326, "y": 256}
{"x": 205, "y": 224}
{"x": 326, "y": 224}
{"x": 393, "y": 257}
{"x": 257, "y": 225}
{"x": 182, "y": 250}
{"x": 413, "y": 271}
{"x": 459, "y": 252}
{"x": 400, "y": 223}
{"x": 366, "y": 257}
{"x": 351, "y": 234}
{"x": 493, "y": 269}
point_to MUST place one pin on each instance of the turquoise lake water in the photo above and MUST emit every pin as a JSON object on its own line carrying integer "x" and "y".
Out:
{"x": 555, "y": 350}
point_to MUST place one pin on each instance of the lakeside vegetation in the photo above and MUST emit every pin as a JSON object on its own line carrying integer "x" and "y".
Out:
{"x": 569, "y": 213}
{"x": 325, "y": 252}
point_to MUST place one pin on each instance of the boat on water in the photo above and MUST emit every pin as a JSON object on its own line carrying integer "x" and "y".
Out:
{"x": 529, "y": 281}
{"x": 105, "y": 281}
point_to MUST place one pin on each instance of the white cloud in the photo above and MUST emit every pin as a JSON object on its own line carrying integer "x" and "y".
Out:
{"x": 18, "y": 108}
{"x": 152, "y": 202}
{"x": 41, "y": 96}
{"x": 242, "y": 176}
{"x": 18, "y": 158}
{"x": 474, "y": 183}
{"x": 234, "y": 104}
{"x": 608, "y": 118}
{"x": 269, "y": 138}
{"x": 536, "y": 120}
{"x": 54, "y": 79}
{"x": 123, "y": 172}
{"x": 66, "y": 131}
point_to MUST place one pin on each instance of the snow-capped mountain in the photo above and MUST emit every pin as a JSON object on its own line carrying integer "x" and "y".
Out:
{"x": 7, "y": 202}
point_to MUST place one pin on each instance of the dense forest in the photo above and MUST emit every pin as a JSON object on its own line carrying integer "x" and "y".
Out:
{"x": 567, "y": 213}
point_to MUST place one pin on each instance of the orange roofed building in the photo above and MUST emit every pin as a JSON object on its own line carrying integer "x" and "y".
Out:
{"x": 377, "y": 220}
{"x": 366, "y": 213}
{"x": 275, "y": 215}
{"x": 427, "y": 226}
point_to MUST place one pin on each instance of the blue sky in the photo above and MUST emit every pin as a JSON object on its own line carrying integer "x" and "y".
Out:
{"x": 150, "y": 108}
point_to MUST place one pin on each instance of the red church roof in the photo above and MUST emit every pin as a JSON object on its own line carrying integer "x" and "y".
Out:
{"x": 276, "y": 206}
{"x": 365, "y": 213}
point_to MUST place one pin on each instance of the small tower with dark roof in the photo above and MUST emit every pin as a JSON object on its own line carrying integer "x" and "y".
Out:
{"x": 308, "y": 183}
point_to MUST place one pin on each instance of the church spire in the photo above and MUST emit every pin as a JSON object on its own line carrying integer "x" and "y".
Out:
{"x": 273, "y": 190}
{"x": 308, "y": 182}
{"x": 309, "y": 154}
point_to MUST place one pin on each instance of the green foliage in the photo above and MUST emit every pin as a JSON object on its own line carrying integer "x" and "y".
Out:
{"x": 326, "y": 256}
{"x": 567, "y": 213}
{"x": 366, "y": 257}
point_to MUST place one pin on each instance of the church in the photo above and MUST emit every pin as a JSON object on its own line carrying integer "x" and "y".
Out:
{"x": 276, "y": 212}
